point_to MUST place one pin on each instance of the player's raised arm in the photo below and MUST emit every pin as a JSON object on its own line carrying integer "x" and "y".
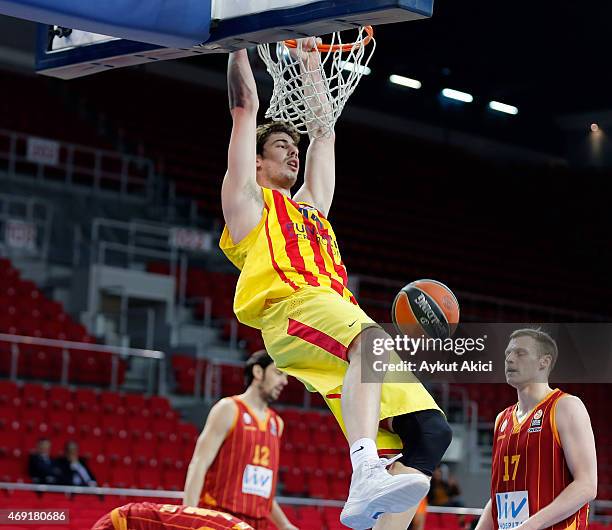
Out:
{"x": 241, "y": 197}
{"x": 578, "y": 443}
{"x": 320, "y": 170}
{"x": 219, "y": 422}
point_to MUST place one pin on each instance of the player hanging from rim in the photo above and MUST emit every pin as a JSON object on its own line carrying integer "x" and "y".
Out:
{"x": 293, "y": 286}
{"x": 544, "y": 468}
{"x": 234, "y": 467}
{"x": 151, "y": 516}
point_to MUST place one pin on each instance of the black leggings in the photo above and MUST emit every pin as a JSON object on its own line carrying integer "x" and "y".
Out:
{"x": 425, "y": 435}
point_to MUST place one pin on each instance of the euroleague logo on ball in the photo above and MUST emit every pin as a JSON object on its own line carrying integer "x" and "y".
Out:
{"x": 430, "y": 317}
{"x": 426, "y": 307}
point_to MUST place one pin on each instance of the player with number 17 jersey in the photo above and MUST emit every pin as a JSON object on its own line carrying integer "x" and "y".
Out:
{"x": 529, "y": 469}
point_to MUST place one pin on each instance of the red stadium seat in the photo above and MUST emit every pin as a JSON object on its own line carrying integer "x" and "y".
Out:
{"x": 101, "y": 470}
{"x": 8, "y": 414}
{"x": 11, "y": 444}
{"x": 322, "y": 437}
{"x": 293, "y": 481}
{"x": 318, "y": 485}
{"x": 339, "y": 486}
{"x": 188, "y": 450}
{"x": 91, "y": 447}
{"x": 122, "y": 477}
{"x": 291, "y": 417}
{"x": 12, "y": 469}
{"x": 331, "y": 515}
{"x": 88, "y": 422}
{"x": 188, "y": 432}
{"x": 163, "y": 426}
{"x": 158, "y": 405}
{"x": 332, "y": 459}
{"x": 111, "y": 424}
{"x": 58, "y": 419}
{"x": 309, "y": 515}
{"x": 90, "y": 368}
{"x": 149, "y": 478}
{"x": 9, "y": 393}
{"x": 288, "y": 457}
{"x": 308, "y": 458}
{"x": 145, "y": 454}
{"x": 449, "y": 521}
{"x": 138, "y": 425}
{"x": 60, "y": 397}
{"x": 134, "y": 403}
{"x": 110, "y": 400}
{"x": 34, "y": 394}
{"x": 299, "y": 435}
{"x": 33, "y": 418}
{"x": 118, "y": 450}
{"x": 168, "y": 454}
{"x": 86, "y": 399}
{"x": 174, "y": 480}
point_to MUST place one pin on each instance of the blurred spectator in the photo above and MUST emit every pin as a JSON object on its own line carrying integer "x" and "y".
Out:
{"x": 41, "y": 468}
{"x": 444, "y": 490}
{"x": 73, "y": 471}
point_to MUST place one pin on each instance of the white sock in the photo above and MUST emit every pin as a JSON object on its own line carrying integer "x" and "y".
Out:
{"x": 362, "y": 449}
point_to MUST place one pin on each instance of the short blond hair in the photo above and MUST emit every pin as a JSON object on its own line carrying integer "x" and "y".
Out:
{"x": 547, "y": 345}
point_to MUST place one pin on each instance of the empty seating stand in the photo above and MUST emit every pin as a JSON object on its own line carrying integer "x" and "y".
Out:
{"x": 129, "y": 440}
{"x": 25, "y": 310}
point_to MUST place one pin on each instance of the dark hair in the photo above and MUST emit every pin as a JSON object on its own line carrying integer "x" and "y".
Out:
{"x": 259, "y": 358}
{"x": 264, "y": 131}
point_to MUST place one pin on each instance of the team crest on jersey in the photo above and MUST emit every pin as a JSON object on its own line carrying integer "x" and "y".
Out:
{"x": 536, "y": 422}
{"x": 273, "y": 428}
{"x": 246, "y": 417}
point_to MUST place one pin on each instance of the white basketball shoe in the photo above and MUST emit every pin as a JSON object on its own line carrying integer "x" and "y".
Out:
{"x": 374, "y": 492}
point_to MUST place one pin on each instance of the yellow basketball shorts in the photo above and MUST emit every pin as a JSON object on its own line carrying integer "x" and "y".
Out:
{"x": 308, "y": 335}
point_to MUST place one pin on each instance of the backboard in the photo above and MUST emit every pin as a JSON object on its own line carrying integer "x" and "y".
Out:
{"x": 228, "y": 26}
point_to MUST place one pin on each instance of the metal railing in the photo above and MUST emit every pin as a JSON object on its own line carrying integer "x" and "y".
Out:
{"x": 79, "y": 166}
{"x": 68, "y": 349}
{"x": 170, "y": 494}
{"x": 597, "y": 505}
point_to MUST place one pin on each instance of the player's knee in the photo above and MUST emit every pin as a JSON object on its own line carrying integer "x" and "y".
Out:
{"x": 425, "y": 436}
{"x": 373, "y": 343}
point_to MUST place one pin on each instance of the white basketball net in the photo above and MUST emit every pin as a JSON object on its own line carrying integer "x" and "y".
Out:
{"x": 310, "y": 91}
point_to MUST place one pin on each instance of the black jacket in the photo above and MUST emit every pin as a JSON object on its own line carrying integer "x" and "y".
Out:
{"x": 71, "y": 477}
{"x": 43, "y": 470}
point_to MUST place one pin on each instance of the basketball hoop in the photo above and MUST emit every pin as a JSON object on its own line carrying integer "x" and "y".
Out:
{"x": 311, "y": 92}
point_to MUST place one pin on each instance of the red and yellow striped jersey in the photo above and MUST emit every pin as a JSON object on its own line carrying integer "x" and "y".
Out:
{"x": 293, "y": 246}
{"x": 529, "y": 469}
{"x": 150, "y": 516}
{"x": 242, "y": 478}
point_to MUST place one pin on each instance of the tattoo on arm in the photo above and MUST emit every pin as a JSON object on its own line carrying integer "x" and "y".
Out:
{"x": 237, "y": 88}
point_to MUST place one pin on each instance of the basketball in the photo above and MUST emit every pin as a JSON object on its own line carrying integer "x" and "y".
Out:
{"x": 426, "y": 307}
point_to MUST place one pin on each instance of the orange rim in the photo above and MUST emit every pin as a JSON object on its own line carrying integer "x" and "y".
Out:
{"x": 292, "y": 43}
